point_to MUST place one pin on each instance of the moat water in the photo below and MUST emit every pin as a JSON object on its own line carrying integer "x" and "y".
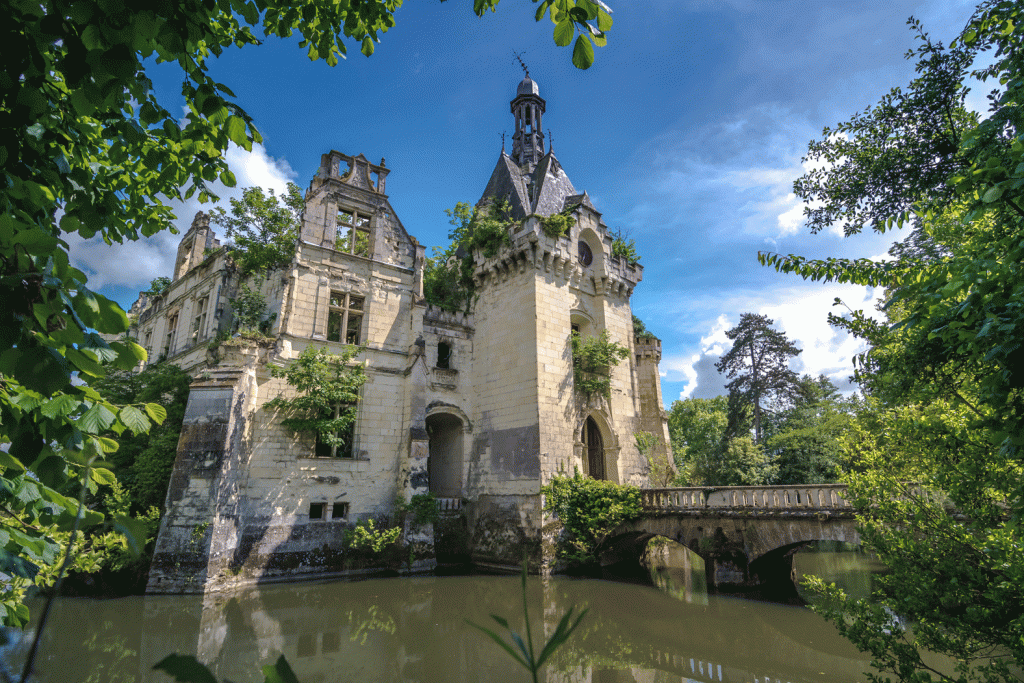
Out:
{"x": 415, "y": 629}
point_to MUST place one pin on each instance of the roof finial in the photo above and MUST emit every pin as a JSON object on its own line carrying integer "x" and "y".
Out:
{"x": 526, "y": 70}
{"x": 551, "y": 142}
{"x": 503, "y": 143}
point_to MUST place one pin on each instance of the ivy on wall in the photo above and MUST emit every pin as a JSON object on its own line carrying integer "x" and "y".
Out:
{"x": 592, "y": 361}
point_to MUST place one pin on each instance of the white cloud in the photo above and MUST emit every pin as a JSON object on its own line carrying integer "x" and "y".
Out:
{"x": 134, "y": 264}
{"x": 801, "y": 312}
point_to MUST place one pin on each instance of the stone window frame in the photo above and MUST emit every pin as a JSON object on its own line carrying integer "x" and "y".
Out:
{"x": 322, "y": 450}
{"x": 357, "y": 224}
{"x": 341, "y": 308}
{"x": 338, "y": 509}
{"x": 444, "y": 360}
{"x": 172, "y": 328}
{"x": 202, "y": 307}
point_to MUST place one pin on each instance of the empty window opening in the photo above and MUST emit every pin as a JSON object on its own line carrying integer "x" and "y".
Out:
{"x": 330, "y": 642}
{"x": 199, "y": 322}
{"x": 172, "y": 325}
{"x": 353, "y": 233}
{"x": 340, "y": 446}
{"x": 306, "y": 647}
{"x": 345, "y": 318}
{"x": 444, "y": 355}
{"x": 339, "y": 511}
{"x": 317, "y": 510}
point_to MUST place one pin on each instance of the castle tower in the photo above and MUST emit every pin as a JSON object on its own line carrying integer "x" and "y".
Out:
{"x": 531, "y": 421}
{"x": 527, "y": 108}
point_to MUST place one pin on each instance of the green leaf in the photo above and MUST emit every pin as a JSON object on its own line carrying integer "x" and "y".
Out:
{"x": 134, "y": 419}
{"x": 96, "y": 419}
{"x": 279, "y": 672}
{"x": 367, "y": 47}
{"x": 497, "y": 639}
{"x": 156, "y": 412}
{"x": 10, "y": 462}
{"x": 564, "y": 31}
{"x": 604, "y": 20}
{"x": 185, "y": 669}
{"x": 992, "y": 194}
{"x": 134, "y": 532}
{"x": 583, "y": 53}
{"x": 102, "y": 476}
{"x": 235, "y": 129}
{"x": 60, "y": 406}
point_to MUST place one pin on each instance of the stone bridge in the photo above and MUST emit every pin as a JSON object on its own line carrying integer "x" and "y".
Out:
{"x": 746, "y": 535}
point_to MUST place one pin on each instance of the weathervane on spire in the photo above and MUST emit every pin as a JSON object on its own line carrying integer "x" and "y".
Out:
{"x": 503, "y": 143}
{"x": 526, "y": 70}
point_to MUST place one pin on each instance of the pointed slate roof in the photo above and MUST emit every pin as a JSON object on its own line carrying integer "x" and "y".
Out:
{"x": 543, "y": 191}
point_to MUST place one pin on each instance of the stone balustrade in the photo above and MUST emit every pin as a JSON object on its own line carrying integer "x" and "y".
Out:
{"x": 780, "y": 499}
{"x": 449, "y": 505}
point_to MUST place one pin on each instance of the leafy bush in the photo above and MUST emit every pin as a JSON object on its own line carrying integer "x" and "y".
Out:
{"x": 365, "y": 536}
{"x": 558, "y": 224}
{"x": 422, "y": 507}
{"x": 621, "y": 248}
{"x": 592, "y": 360}
{"x": 589, "y": 509}
{"x": 640, "y": 330}
{"x": 250, "y": 307}
{"x": 158, "y": 286}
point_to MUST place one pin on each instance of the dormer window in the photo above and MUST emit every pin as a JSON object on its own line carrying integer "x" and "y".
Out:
{"x": 353, "y": 233}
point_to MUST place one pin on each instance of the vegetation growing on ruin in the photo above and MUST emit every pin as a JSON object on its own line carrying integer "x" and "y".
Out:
{"x": 250, "y": 311}
{"x": 327, "y": 387}
{"x": 448, "y": 273}
{"x": 559, "y": 224}
{"x": 588, "y": 509}
{"x": 640, "y": 330}
{"x": 592, "y": 361}
{"x": 624, "y": 247}
{"x": 264, "y": 228}
{"x": 158, "y": 286}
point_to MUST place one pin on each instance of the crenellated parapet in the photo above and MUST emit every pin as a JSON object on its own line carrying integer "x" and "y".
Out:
{"x": 647, "y": 348}
{"x": 562, "y": 257}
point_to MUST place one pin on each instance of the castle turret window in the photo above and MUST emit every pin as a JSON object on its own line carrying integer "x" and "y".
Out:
{"x": 172, "y": 326}
{"x": 345, "y": 318}
{"x": 353, "y": 233}
{"x": 444, "y": 355}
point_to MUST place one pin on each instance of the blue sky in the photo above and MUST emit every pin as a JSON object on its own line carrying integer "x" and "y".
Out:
{"x": 687, "y": 132}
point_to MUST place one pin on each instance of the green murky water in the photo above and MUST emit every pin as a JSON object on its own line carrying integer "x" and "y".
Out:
{"x": 415, "y": 630}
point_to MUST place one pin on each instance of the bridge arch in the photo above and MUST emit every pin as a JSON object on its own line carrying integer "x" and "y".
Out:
{"x": 739, "y": 547}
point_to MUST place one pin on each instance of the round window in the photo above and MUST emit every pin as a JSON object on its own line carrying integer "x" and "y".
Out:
{"x": 585, "y": 256}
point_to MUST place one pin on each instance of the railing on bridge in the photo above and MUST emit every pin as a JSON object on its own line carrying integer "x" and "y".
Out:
{"x": 775, "y": 498}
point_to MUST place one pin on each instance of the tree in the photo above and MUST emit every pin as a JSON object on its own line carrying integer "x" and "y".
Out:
{"x": 945, "y": 373}
{"x": 758, "y": 365}
{"x": 328, "y": 391}
{"x": 263, "y": 227}
{"x": 86, "y": 147}
{"x": 806, "y": 440}
{"x": 697, "y": 428}
{"x": 143, "y": 462}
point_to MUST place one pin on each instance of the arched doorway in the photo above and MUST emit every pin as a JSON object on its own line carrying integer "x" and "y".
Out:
{"x": 444, "y": 462}
{"x": 593, "y": 448}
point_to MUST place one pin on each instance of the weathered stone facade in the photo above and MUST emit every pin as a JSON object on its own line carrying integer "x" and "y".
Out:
{"x": 478, "y": 408}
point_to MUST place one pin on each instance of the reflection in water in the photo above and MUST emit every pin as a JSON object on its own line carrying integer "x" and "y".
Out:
{"x": 847, "y": 566}
{"x": 415, "y": 630}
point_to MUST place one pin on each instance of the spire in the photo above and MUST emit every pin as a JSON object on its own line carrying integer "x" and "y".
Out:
{"x": 527, "y": 108}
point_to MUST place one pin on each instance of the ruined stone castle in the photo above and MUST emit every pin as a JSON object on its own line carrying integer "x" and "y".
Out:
{"x": 478, "y": 409}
